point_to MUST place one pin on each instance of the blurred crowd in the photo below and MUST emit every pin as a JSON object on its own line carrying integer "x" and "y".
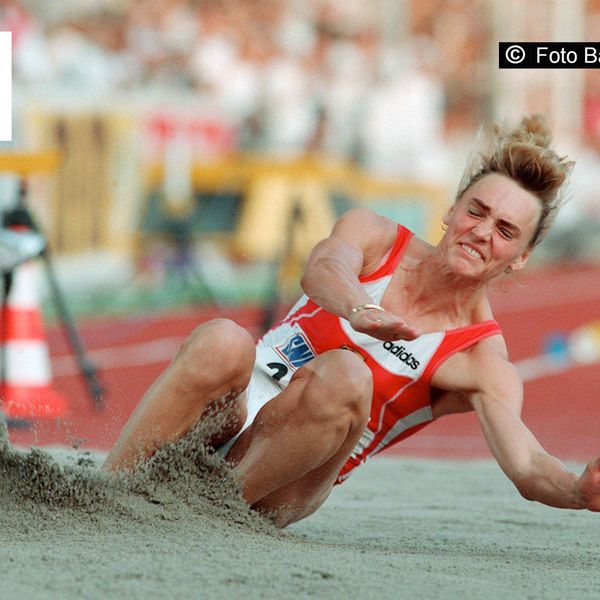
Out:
{"x": 389, "y": 84}
{"x": 368, "y": 81}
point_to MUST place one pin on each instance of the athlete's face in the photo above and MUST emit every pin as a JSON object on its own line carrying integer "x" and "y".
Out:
{"x": 490, "y": 227}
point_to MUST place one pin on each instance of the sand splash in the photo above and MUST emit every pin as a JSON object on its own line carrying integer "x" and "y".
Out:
{"x": 182, "y": 480}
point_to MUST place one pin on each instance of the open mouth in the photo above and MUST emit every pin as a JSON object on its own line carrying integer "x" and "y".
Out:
{"x": 472, "y": 252}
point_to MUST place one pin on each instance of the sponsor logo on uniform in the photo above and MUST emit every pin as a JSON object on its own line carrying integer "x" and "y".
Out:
{"x": 401, "y": 353}
{"x": 296, "y": 351}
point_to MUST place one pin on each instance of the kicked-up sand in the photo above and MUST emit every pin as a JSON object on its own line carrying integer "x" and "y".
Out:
{"x": 178, "y": 529}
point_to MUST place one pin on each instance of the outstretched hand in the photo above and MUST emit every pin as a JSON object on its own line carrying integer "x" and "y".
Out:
{"x": 383, "y": 325}
{"x": 589, "y": 486}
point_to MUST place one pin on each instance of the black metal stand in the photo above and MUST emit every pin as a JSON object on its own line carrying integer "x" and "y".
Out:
{"x": 20, "y": 216}
{"x": 185, "y": 266}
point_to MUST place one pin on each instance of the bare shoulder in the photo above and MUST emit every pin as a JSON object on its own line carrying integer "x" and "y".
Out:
{"x": 366, "y": 222}
{"x": 494, "y": 376}
{"x": 367, "y": 230}
{"x": 482, "y": 371}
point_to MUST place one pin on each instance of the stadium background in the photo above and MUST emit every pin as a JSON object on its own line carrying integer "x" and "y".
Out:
{"x": 192, "y": 152}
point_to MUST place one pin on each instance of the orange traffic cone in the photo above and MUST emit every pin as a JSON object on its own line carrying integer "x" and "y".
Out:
{"x": 26, "y": 391}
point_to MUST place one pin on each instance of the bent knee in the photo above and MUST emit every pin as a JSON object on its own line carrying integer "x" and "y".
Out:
{"x": 229, "y": 348}
{"x": 345, "y": 370}
{"x": 340, "y": 383}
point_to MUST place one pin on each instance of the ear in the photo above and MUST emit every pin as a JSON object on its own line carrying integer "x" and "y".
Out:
{"x": 520, "y": 262}
{"x": 448, "y": 214}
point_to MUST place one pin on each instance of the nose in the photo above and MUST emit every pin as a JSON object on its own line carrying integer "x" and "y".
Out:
{"x": 483, "y": 229}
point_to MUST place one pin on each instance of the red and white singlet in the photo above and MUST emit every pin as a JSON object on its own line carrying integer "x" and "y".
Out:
{"x": 402, "y": 370}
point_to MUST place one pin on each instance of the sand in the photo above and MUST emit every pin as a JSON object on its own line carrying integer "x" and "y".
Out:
{"x": 399, "y": 528}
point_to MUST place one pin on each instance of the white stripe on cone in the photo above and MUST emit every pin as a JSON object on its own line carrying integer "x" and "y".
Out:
{"x": 24, "y": 289}
{"x": 27, "y": 363}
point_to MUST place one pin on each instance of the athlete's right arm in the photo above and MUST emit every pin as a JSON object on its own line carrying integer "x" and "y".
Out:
{"x": 357, "y": 244}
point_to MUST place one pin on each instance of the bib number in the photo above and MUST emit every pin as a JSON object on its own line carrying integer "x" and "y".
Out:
{"x": 280, "y": 370}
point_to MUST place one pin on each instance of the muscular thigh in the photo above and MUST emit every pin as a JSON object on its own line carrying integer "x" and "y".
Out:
{"x": 335, "y": 390}
{"x": 301, "y": 498}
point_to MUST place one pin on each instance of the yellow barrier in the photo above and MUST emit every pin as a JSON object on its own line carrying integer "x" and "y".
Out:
{"x": 88, "y": 204}
{"x": 27, "y": 163}
{"x": 80, "y": 202}
{"x": 272, "y": 189}
{"x": 103, "y": 180}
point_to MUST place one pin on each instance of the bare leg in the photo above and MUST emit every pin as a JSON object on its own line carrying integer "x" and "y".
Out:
{"x": 288, "y": 460}
{"x": 215, "y": 361}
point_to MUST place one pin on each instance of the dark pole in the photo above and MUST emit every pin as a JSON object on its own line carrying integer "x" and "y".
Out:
{"x": 21, "y": 217}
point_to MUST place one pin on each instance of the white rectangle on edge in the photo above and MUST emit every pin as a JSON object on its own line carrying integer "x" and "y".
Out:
{"x": 5, "y": 86}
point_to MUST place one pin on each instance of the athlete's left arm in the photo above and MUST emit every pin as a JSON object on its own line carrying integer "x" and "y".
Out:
{"x": 497, "y": 400}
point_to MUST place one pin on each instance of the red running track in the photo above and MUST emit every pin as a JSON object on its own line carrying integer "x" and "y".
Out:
{"x": 563, "y": 410}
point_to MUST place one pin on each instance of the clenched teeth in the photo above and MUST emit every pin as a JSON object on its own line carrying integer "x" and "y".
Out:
{"x": 471, "y": 251}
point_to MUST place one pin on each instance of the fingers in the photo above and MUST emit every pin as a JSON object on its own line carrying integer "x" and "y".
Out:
{"x": 383, "y": 325}
{"x": 589, "y": 486}
{"x": 388, "y": 331}
{"x": 399, "y": 333}
{"x": 411, "y": 333}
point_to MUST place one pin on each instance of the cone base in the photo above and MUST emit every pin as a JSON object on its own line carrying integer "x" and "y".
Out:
{"x": 32, "y": 402}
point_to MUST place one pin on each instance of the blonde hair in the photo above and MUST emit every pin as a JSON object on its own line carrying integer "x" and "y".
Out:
{"x": 524, "y": 155}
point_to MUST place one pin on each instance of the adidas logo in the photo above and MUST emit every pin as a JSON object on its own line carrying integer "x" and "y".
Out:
{"x": 402, "y": 354}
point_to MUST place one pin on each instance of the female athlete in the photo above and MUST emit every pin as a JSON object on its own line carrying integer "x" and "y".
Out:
{"x": 391, "y": 334}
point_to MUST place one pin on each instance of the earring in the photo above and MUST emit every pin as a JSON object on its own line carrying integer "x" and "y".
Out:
{"x": 508, "y": 270}
{"x": 444, "y": 226}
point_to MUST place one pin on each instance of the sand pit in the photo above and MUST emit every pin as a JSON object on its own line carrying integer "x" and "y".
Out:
{"x": 179, "y": 530}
